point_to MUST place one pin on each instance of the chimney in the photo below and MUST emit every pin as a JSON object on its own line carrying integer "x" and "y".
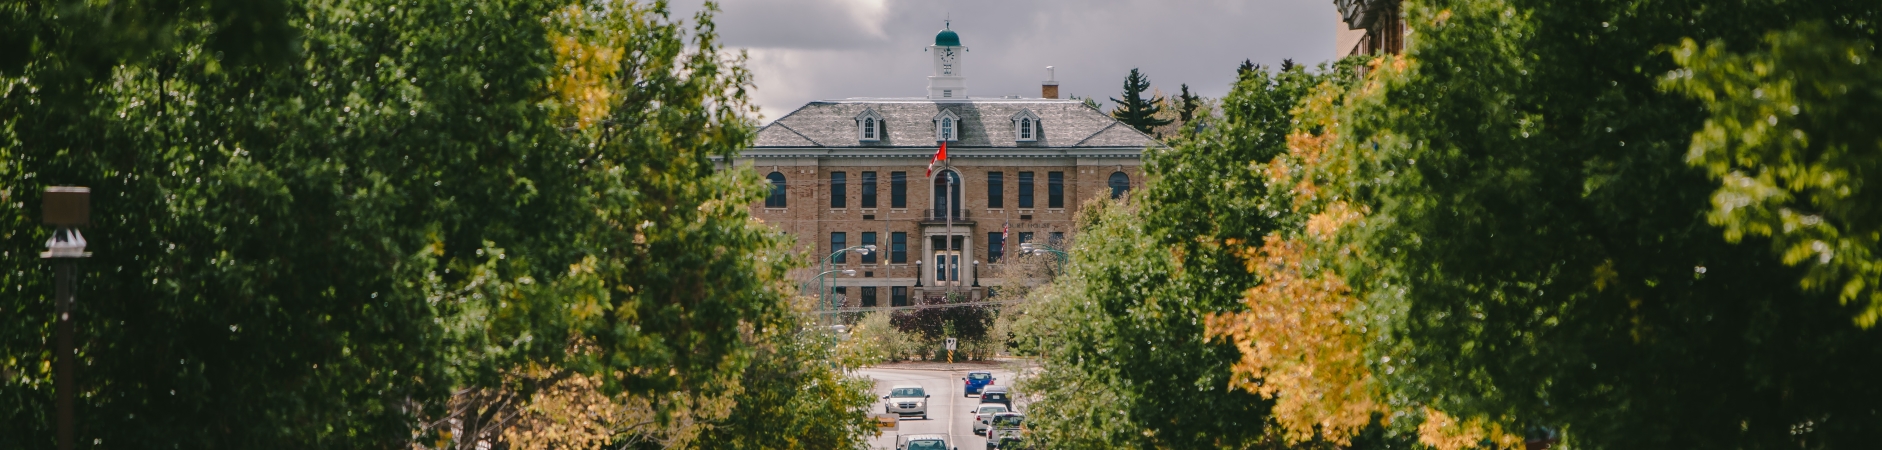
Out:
{"x": 1050, "y": 89}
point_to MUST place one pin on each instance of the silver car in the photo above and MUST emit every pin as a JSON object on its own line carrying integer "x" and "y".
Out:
{"x": 1006, "y": 431}
{"x": 984, "y": 413}
{"x": 906, "y": 400}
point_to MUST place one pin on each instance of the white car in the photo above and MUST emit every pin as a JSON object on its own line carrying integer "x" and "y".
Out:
{"x": 922, "y": 442}
{"x": 906, "y": 400}
{"x": 985, "y": 412}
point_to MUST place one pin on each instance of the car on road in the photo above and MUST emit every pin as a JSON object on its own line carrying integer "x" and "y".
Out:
{"x": 997, "y": 394}
{"x": 1006, "y": 431}
{"x": 984, "y": 412}
{"x": 906, "y": 400}
{"x": 922, "y": 442}
{"x": 975, "y": 381}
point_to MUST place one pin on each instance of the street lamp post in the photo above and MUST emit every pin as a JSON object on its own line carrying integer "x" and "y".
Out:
{"x": 821, "y": 288}
{"x": 67, "y": 208}
{"x": 1058, "y": 256}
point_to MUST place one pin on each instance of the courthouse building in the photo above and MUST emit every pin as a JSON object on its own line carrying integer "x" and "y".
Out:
{"x": 853, "y": 172}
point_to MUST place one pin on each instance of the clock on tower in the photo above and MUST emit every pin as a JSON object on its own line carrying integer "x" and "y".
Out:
{"x": 950, "y": 78}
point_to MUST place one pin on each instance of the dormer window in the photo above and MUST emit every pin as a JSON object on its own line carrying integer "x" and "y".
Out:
{"x": 947, "y": 126}
{"x": 869, "y": 127}
{"x": 1026, "y": 126}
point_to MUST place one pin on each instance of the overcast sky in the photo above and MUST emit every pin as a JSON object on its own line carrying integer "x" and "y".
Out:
{"x": 805, "y": 50}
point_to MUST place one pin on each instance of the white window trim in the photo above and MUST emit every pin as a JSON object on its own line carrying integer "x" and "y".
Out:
{"x": 1017, "y": 131}
{"x": 869, "y": 114}
{"x": 953, "y": 133}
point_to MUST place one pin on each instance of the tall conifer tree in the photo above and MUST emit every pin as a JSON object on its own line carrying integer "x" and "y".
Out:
{"x": 1134, "y": 109}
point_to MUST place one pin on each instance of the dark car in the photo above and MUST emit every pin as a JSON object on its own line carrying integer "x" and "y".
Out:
{"x": 976, "y": 381}
{"x": 997, "y": 394}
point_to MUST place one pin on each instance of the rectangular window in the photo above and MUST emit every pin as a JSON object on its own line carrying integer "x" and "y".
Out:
{"x": 839, "y": 192}
{"x": 898, "y": 189}
{"x": 996, "y": 189}
{"x": 995, "y": 246}
{"x": 898, "y": 248}
{"x": 1057, "y": 239}
{"x": 839, "y": 296}
{"x": 869, "y": 238}
{"x": 869, "y": 189}
{"x": 898, "y": 296}
{"x": 869, "y": 297}
{"x": 837, "y": 244}
{"x": 1025, "y": 236}
{"x": 1055, "y": 189}
{"x": 1025, "y": 189}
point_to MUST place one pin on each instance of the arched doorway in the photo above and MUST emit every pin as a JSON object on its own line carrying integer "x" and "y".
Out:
{"x": 945, "y": 198}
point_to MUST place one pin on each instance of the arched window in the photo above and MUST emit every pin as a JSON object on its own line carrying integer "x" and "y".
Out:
{"x": 947, "y": 126}
{"x": 775, "y": 199}
{"x": 1120, "y": 184}
{"x": 869, "y": 127}
{"x": 1026, "y": 126}
{"x": 944, "y": 203}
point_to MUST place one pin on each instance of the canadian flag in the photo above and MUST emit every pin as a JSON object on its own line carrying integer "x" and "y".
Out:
{"x": 938, "y": 156}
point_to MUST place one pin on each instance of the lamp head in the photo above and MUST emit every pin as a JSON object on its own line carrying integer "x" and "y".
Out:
{"x": 67, "y": 206}
{"x": 1026, "y": 246}
{"x": 850, "y": 272}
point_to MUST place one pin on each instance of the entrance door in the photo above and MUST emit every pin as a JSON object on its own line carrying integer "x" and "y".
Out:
{"x": 947, "y": 268}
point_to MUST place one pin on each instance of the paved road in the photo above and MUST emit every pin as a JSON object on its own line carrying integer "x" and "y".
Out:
{"x": 947, "y": 410}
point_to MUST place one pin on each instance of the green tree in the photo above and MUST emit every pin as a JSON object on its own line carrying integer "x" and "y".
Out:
{"x": 1527, "y": 241}
{"x": 1188, "y": 104}
{"x": 1791, "y": 140}
{"x": 1126, "y": 362}
{"x": 1134, "y": 109}
{"x": 430, "y": 213}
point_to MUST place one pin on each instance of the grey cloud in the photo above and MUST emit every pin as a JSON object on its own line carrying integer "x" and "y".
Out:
{"x": 822, "y": 49}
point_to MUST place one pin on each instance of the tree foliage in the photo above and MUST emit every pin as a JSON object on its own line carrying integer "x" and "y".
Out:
{"x": 1509, "y": 212}
{"x": 1126, "y": 358}
{"x": 1791, "y": 140}
{"x": 431, "y": 213}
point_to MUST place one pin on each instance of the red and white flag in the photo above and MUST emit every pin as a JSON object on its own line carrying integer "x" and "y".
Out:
{"x": 938, "y": 156}
{"x": 1006, "y": 231}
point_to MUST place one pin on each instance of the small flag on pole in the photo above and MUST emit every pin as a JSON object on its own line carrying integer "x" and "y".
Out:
{"x": 938, "y": 157}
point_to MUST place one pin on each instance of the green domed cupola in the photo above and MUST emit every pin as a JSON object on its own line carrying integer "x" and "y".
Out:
{"x": 947, "y": 38}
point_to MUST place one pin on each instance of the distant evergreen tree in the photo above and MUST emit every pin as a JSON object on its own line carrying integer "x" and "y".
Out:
{"x": 1188, "y": 102}
{"x": 1287, "y": 65}
{"x": 1247, "y": 66}
{"x": 1134, "y": 109}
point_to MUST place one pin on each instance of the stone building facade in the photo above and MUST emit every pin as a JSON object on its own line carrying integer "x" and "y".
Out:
{"x": 1371, "y": 27}
{"x": 854, "y": 172}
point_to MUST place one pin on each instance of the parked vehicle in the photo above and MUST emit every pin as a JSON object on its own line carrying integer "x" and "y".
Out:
{"x": 984, "y": 412}
{"x": 922, "y": 442}
{"x": 997, "y": 394}
{"x": 906, "y": 400}
{"x": 975, "y": 381}
{"x": 1007, "y": 431}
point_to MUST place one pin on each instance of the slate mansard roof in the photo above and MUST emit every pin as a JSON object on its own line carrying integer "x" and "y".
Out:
{"x": 829, "y": 128}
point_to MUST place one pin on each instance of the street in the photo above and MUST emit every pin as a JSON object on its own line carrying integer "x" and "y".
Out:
{"x": 948, "y": 409}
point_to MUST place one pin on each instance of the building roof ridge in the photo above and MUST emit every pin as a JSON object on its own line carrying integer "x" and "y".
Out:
{"x": 780, "y": 123}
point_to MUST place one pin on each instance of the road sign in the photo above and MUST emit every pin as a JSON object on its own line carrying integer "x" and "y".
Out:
{"x": 950, "y": 343}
